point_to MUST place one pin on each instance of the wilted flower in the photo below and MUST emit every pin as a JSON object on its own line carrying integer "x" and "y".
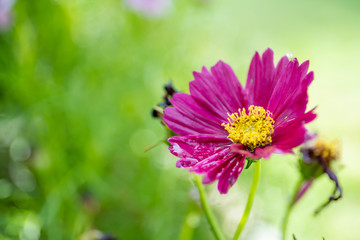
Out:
{"x": 150, "y": 8}
{"x": 220, "y": 123}
{"x": 318, "y": 156}
{"x": 5, "y": 13}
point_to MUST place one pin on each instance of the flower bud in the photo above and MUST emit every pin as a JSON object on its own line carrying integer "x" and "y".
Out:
{"x": 318, "y": 156}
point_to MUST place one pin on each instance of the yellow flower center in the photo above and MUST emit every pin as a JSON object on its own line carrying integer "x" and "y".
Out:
{"x": 327, "y": 150}
{"x": 252, "y": 129}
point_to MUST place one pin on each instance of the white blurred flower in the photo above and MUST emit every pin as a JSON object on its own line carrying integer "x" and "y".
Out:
{"x": 5, "y": 13}
{"x": 262, "y": 230}
{"x": 150, "y": 8}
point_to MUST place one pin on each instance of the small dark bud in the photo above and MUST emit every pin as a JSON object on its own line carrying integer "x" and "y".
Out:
{"x": 154, "y": 113}
{"x": 95, "y": 234}
{"x": 157, "y": 111}
{"x": 107, "y": 237}
{"x": 170, "y": 90}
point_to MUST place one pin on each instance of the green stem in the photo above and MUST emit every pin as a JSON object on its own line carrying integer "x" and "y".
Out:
{"x": 206, "y": 208}
{"x": 250, "y": 200}
{"x": 290, "y": 208}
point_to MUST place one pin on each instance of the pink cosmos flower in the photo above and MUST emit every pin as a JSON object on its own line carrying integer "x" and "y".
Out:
{"x": 220, "y": 123}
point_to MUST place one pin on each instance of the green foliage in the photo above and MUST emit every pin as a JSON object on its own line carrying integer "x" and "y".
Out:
{"x": 78, "y": 79}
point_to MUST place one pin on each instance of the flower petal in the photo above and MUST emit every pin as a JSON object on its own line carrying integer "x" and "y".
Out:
{"x": 290, "y": 134}
{"x": 212, "y": 96}
{"x": 187, "y": 106}
{"x": 219, "y": 91}
{"x": 229, "y": 86}
{"x": 212, "y": 161}
{"x": 295, "y": 104}
{"x": 260, "y": 80}
{"x": 193, "y": 149}
{"x": 260, "y": 152}
{"x": 226, "y": 171}
{"x": 180, "y": 123}
{"x": 209, "y": 155}
{"x": 290, "y": 91}
{"x": 230, "y": 174}
{"x": 280, "y": 87}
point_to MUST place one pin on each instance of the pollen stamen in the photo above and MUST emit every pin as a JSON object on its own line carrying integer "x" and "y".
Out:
{"x": 252, "y": 129}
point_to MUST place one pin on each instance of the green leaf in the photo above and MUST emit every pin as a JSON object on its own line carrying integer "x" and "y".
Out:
{"x": 248, "y": 163}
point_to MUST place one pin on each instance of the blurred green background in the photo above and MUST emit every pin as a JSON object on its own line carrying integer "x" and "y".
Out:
{"x": 78, "y": 79}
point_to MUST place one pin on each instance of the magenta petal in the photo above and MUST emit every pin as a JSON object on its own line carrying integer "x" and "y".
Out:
{"x": 291, "y": 139}
{"x": 218, "y": 91}
{"x": 194, "y": 149}
{"x": 230, "y": 175}
{"x": 268, "y": 63}
{"x": 186, "y": 104}
{"x": 280, "y": 87}
{"x": 214, "y": 160}
{"x": 259, "y": 152}
{"x": 289, "y": 98}
{"x": 213, "y": 95}
{"x": 291, "y": 134}
{"x": 260, "y": 78}
{"x": 283, "y": 151}
{"x": 239, "y": 148}
{"x": 186, "y": 162}
{"x": 295, "y": 104}
{"x": 181, "y": 124}
{"x": 300, "y": 120}
{"x": 309, "y": 116}
{"x": 254, "y": 79}
{"x": 305, "y": 185}
{"x": 264, "y": 152}
{"x": 229, "y": 86}
{"x": 201, "y": 118}
{"x": 280, "y": 67}
{"x": 226, "y": 171}
{"x": 213, "y": 167}
{"x": 200, "y": 146}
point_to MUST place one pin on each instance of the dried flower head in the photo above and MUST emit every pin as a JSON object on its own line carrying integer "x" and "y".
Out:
{"x": 318, "y": 156}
